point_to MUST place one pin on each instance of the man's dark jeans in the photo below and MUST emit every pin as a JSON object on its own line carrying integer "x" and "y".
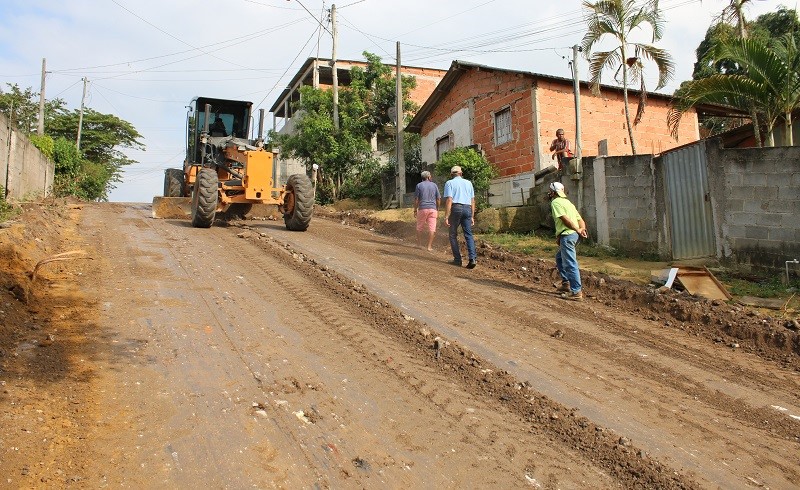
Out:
{"x": 461, "y": 215}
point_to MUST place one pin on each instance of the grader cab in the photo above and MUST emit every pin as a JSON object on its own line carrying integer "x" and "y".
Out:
{"x": 225, "y": 172}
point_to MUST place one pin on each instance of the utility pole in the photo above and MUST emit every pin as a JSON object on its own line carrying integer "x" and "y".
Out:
{"x": 401, "y": 163}
{"x": 80, "y": 116}
{"x": 335, "y": 34}
{"x": 40, "y": 127}
{"x": 578, "y": 150}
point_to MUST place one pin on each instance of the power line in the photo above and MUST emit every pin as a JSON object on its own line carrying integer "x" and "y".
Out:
{"x": 350, "y": 4}
{"x": 271, "y": 6}
{"x": 139, "y": 98}
{"x": 288, "y": 68}
{"x": 506, "y": 35}
{"x": 446, "y": 18}
{"x": 367, "y": 36}
{"x": 115, "y": 2}
{"x": 227, "y": 44}
{"x": 314, "y": 17}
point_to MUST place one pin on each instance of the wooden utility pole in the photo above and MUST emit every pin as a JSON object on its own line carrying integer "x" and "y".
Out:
{"x": 80, "y": 115}
{"x": 578, "y": 150}
{"x": 401, "y": 163}
{"x": 40, "y": 127}
{"x": 335, "y": 34}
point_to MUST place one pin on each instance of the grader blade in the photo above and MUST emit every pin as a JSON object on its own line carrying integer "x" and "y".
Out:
{"x": 172, "y": 207}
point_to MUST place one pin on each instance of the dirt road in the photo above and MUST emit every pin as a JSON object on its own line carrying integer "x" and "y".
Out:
{"x": 249, "y": 356}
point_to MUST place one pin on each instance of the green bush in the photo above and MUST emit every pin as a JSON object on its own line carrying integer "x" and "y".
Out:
{"x": 364, "y": 184}
{"x": 68, "y": 165}
{"x": 475, "y": 168}
{"x": 44, "y": 143}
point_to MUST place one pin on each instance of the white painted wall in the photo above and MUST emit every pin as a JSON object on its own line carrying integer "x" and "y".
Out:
{"x": 460, "y": 123}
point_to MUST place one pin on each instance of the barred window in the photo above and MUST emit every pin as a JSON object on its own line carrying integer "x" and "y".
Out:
{"x": 502, "y": 126}
{"x": 443, "y": 145}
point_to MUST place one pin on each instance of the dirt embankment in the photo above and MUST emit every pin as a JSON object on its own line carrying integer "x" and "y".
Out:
{"x": 44, "y": 383}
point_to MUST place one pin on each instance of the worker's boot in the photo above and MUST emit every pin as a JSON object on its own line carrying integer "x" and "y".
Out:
{"x": 564, "y": 288}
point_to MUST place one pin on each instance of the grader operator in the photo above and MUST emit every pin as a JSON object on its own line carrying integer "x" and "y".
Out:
{"x": 225, "y": 172}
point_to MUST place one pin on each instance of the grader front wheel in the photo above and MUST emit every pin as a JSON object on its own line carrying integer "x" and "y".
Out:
{"x": 204, "y": 198}
{"x": 298, "y": 203}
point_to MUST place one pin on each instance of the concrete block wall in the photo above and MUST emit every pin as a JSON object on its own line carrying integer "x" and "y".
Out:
{"x": 755, "y": 195}
{"x": 5, "y": 142}
{"x": 631, "y": 204}
{"x": 24, "y": 171}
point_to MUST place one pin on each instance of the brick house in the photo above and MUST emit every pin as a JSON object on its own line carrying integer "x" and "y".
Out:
{"x": 318, "y": 73}
{"x": 512, "y": 116}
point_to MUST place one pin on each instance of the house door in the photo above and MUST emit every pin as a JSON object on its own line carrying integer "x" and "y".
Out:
{"x": 688, "y": 202}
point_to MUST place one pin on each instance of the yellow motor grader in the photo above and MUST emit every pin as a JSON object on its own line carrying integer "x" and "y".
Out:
{"x": 225, "y": 172}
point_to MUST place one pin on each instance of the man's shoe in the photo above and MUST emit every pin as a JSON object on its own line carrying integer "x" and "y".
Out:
{"x": 456, "y": 263}
{"x": 573, "y": 296}
{"x": 471, "y": 264}
{"x": 564, "y": 288}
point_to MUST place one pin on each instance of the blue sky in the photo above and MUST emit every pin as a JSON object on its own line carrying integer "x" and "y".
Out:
{"x": 146, "y": 59}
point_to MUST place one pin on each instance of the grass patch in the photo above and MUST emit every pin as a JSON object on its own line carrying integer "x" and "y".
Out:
{"x": 760, "y": 287}
{"x": 541, "y": 244}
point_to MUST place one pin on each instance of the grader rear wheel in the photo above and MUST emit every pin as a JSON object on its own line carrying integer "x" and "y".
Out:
{"x": 173, "y": 182}
{"x": 204, "y": 198}
{"x": 298, "y": 203}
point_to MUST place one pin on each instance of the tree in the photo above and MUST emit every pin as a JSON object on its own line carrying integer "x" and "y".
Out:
{"x": 618, "y": 19}
{"x": 733, "y": 14}
{"x": 22, "y": 107}
{"x": 729, "y": 26}
{"x": 476, "y": 169}
{"x": 92, "y": 174}
{"x": 102, "y": 138}
{"x": 344, "y": 155}
{"x": 770, "y": 83}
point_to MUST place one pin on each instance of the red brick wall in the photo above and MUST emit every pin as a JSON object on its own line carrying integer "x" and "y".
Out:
{"x": 491, "y": 92}
{"x": 603, "y": 117}
{"x": 427, "y": 80}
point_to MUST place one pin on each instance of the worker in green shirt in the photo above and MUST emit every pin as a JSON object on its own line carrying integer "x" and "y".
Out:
{"x": 570, "y": 227}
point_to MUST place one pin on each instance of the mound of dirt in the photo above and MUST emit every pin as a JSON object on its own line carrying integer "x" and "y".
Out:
{"x": 772, "y": 338}
{"x": 44, "y": 387}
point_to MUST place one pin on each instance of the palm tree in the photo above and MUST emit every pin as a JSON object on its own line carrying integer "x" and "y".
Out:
{"x": 734, "y": 14}
{"x": 771, "y": 84}
{"x": 618, "y": 18}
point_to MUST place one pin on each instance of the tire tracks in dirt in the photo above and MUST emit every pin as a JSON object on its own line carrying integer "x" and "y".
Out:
{"x": 691, "y": 379}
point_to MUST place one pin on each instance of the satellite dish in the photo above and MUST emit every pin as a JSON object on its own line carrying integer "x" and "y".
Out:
{"x": 393, "y": 114}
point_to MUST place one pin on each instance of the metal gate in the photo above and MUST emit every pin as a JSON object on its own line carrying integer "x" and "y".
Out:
{"x": 690, "y": 218}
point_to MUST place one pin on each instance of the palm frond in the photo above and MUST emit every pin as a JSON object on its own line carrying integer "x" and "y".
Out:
{"x": 598, "y": 62}
{"x": 642, "y": 103}
{"x": 662, "y": 59}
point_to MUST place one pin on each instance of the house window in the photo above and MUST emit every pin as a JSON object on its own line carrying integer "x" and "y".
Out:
{"x": 443, "y": 145}
{"x": 502, "y": 126}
